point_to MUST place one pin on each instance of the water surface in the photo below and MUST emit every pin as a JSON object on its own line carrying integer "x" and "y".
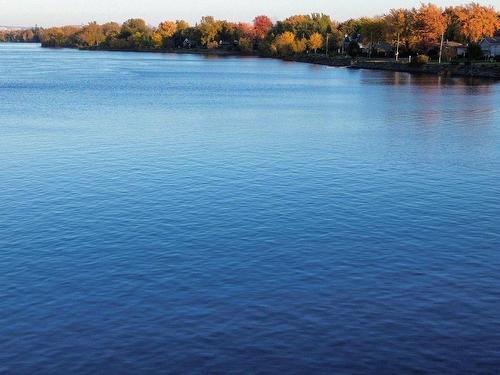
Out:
{"x": 178, "y": 213}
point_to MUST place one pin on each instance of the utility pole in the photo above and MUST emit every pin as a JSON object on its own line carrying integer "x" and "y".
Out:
{"x": 441, "y": 48}
{"x": 371, "y": 44}
{"x": 397, "y": 49}
{"x": 327, "y": 45}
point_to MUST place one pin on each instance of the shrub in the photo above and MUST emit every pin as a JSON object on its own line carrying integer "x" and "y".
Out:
{"x": 267, "y": 49}
{"x": 421, "y": 60}
{"x": 212, "y": 45}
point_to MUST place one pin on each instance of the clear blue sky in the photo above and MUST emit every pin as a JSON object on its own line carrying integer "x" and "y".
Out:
{"x": 57, "y": 12}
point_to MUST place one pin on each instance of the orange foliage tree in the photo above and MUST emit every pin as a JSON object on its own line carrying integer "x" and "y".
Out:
{"x": 430, "y": 24}
{"x": 476, "y": 21}
{"x": 262, "y": 25}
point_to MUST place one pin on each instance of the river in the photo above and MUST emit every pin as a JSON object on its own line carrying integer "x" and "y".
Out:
{"x": 164, "y": 213}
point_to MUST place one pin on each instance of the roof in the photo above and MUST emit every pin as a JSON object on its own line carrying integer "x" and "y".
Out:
{"x": 495, "y": 40}
{"x": 454, "y": 44}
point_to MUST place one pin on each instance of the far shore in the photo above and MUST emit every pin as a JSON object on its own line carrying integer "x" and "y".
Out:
{"x": 478, "y": 69}
{"x": 470, "y": 69}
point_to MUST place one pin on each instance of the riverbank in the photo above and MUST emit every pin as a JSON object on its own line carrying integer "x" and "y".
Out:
{"x": 478, "y": 70}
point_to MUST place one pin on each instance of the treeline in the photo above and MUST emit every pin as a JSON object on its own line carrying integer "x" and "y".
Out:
{"x": 407, "y": 31}
{"x": 25, "y": 35}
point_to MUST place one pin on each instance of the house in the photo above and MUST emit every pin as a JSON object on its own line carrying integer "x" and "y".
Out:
{"x": 368, "y": 48}
{"x": 381, "y": 49}
{"x": 462, "y": 50}
{"x": 356, "y": 39}
{"x": 490, "y": 47}
{"x": 452, "y": 50}
{"x": 225, "y": 44}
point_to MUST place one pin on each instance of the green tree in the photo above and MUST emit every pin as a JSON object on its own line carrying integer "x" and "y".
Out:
{"x": 353, "y": 49}
{"x": 132, "y": 27}
{"x": 245, "y": 45}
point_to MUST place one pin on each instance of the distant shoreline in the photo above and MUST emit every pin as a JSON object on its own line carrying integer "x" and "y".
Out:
{"x": 481, "y": 70}
{"x": 476, "y": 70}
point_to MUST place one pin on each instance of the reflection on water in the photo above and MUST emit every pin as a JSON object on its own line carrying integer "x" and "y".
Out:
{"x": 177, "y": 213}
{"x": 429, "y": 80}
{"x": 433, "y": 100}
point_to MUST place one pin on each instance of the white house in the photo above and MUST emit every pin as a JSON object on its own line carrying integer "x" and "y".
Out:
{"x": 490, "y": 46}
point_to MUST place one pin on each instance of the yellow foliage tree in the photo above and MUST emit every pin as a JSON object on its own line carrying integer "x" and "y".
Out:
{"x": 92, "y": 34}
{"x": 164, "y": 31}
{"x": 285, "y": 44}
{"x": 316, "y": 42}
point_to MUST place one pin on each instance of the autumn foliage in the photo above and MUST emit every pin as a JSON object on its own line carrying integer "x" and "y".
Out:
{"x": 415, "y": 30}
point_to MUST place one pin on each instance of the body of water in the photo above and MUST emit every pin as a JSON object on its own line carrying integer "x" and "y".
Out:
{"x": 166, "y": 213}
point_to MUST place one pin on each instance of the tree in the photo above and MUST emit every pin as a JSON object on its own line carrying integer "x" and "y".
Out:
{"x": 301, "y": 25}
{"x": 335, "y": 40}
{"x": 474, "y": 52}
{"x": 430, "y": 23}
{"x": 163, "y": 32}
{"x": 400, "y": 28}
{"x": 474, "y": 21}
{"x": 52, "y": 37}
{"x": 133, "y": 26}
{"x": 181, "y": 32}
{"x": 111, "y": 29}
{"x": 300, "y": 46}
{"x": 350, "y": 27}
{"x": 245, "y": 45}
{"x": 316, "y": 42}
{"x": 192, "y": 34}
{"x": 262, "y": 25}
{"x": 209, "y": 28}
{"x": 66, "y": 36}
{"x": 227, "y": 32}
{"x": 181, "y": 25}
{"x": 353, "y": 49}
{"x": 92, "y": 34}
{"x": 373, "y": 29}
{"x": 323, "y": 23}
{"x": 135, "y": 34}
{"x": 284, "y": 44}
{"x": 167, "y": 29}
{"x": 244, "y": 30}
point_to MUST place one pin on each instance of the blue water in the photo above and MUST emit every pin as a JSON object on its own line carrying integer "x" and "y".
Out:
{"x": 186, "y": 214}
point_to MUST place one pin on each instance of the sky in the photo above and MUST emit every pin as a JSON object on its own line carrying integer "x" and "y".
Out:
{"x": 76, "y": 12}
